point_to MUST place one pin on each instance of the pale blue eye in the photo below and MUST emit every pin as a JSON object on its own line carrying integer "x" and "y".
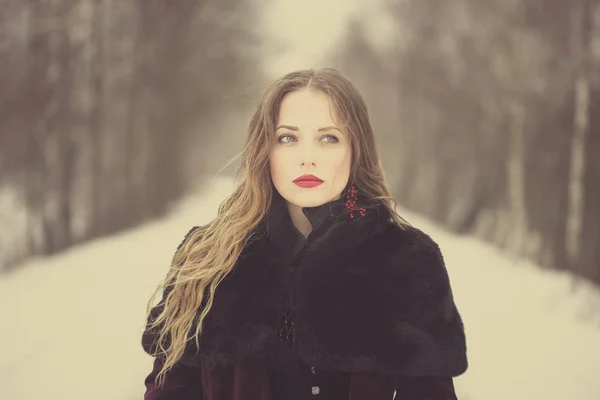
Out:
{"x": 333, "y": 138}
{"x": 282, "y": 137}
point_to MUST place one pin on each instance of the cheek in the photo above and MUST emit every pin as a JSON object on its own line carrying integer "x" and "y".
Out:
{"x": 342, "y": 163}
{"x": 276, "y": 165}
{"x": 339, "y": 170}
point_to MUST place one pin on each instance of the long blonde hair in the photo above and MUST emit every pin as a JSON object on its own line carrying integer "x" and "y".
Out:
{"x": 211, "y": 252}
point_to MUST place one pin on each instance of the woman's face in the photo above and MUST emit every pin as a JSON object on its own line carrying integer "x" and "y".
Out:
{"x": 307, "y": 141}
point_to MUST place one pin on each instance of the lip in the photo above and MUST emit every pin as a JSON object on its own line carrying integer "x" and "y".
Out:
{"x": 308, "y": 181}
{"x": 310, "y": 178}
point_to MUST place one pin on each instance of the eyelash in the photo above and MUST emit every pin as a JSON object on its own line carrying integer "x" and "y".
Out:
{"x": 286, "y": 134}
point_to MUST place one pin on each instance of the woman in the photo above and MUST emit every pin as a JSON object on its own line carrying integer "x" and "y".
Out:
{"x": 307, "y": 284}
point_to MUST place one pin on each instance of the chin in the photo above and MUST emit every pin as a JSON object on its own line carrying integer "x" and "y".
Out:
{"x": 314, "y": 203}
{"x": 308, "y": 199}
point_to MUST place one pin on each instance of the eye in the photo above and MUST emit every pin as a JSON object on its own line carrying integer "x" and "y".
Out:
{"x": 332, "y": 138}
{"x": 281, "y": 138}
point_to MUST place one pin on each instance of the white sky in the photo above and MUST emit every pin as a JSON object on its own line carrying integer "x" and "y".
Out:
{"x": 300, "y": 33}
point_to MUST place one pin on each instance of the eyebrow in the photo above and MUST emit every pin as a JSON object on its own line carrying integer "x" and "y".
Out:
{"x": 295, "y": 128}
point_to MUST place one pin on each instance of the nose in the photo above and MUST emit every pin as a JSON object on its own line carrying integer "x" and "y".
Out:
{"x": 308, "y": 154}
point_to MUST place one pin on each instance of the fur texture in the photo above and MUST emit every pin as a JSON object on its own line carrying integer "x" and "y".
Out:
{"x": 370, "y": 297}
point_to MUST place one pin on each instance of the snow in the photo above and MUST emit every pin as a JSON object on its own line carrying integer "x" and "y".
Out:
{"x": 73, "y": 322}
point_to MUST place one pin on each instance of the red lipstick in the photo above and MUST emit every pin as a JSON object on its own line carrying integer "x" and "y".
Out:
{"x": 307, "y": 181}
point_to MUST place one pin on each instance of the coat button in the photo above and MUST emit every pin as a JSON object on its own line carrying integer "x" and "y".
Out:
{"x": 316, "y": 390}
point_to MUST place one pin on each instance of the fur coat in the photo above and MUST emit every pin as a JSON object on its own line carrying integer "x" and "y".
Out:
{"x": 369, "y": 298}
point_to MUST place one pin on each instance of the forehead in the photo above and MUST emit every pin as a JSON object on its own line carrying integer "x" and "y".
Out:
{"x": 306, "y": 107}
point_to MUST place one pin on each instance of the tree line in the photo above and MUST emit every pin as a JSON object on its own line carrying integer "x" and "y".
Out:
{"x": 493, "y": 110}
{"x": 105, "y": 107}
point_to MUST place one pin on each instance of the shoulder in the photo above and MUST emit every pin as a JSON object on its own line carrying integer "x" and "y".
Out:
{"x": 414, "y": 290}
{"x": 412, "y": 257}
{"x": 410, "y": 246}
{"x": 187, "y": 237}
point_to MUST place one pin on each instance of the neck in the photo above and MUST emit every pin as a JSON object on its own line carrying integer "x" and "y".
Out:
{"x": 300, "y": 221}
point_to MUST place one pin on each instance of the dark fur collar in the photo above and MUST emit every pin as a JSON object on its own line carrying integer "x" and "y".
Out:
{"x": 370, "y": 296}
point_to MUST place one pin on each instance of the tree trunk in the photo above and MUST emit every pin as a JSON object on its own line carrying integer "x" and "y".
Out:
{"x": 576, "y": 204}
